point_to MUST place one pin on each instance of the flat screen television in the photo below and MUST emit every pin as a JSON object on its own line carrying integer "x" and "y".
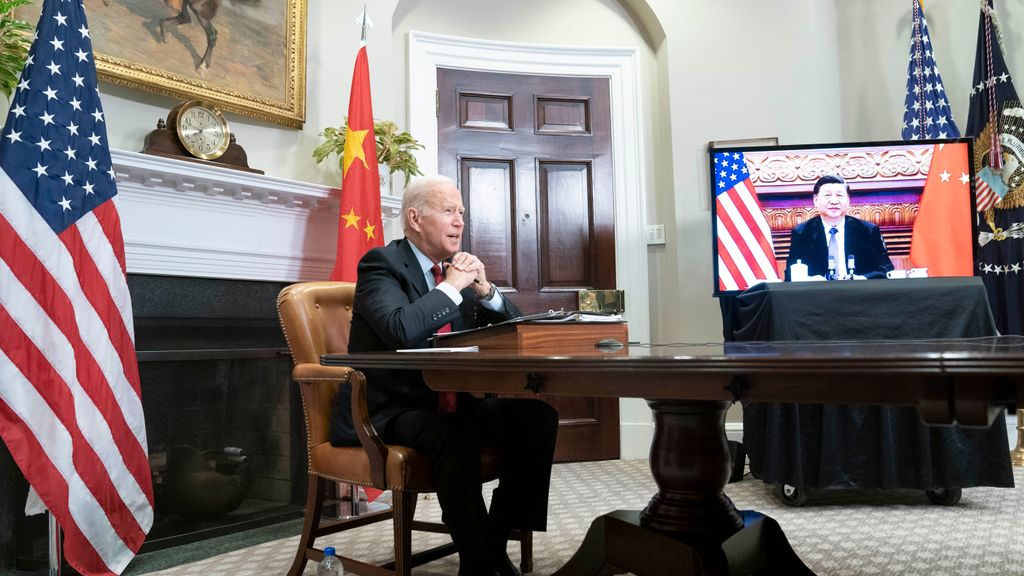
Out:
{"x": 920, "y": 196}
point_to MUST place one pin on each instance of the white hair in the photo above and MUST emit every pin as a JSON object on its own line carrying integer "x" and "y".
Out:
{"x": 417, "y": 195}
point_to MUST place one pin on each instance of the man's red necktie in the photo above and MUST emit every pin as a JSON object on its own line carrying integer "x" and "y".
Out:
{"x": 445, "y": 400}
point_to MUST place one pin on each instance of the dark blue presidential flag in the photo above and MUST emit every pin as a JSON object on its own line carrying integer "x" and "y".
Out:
{"x": 926, "y": 111}
{"x": 996, "y": 122}
{"x": 70, "y": 404}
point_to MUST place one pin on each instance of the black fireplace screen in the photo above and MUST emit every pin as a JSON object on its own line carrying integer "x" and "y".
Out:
{"x": 221, "y": 438}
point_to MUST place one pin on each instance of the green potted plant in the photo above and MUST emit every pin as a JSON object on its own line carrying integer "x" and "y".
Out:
{"x": 15, "y": 38}
{"x": 394, "y": 149}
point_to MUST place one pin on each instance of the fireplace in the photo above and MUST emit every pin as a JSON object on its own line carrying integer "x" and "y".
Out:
{"x": 216, "y": 390}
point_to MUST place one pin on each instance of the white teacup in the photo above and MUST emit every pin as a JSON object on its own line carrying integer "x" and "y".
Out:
{"x": 896, "y": 274}
{"x": 798, "y": 272}
{"x": 918, "y": 273}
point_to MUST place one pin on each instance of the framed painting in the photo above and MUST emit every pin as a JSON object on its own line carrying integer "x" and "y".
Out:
{"x": 245, "y": 56}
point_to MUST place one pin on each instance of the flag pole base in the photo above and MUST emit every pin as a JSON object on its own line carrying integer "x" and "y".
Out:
{"x": 55, "y": 557}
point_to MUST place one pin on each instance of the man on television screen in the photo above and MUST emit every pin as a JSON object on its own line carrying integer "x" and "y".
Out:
{"x": 835, "y": 245}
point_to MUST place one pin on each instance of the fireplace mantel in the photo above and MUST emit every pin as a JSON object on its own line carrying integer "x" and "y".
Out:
{"x": 182, "y": 218}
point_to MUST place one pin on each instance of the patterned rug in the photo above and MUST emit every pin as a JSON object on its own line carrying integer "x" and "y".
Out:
{"x": 836, "y": 533}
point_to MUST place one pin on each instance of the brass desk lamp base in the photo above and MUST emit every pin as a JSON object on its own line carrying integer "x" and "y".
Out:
{"x": 1017, "y": 454}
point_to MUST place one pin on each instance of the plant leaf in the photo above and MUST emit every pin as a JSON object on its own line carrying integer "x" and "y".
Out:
{"x": 394, "y": 147}
{"x": 15, "y": 38}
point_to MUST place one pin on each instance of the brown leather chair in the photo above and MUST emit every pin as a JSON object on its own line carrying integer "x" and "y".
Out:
{"x": 316, "y": 317}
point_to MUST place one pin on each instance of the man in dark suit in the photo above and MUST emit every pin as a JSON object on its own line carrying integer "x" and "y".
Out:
{"x": 836, "y": 235}
{"x": 406, "y": 292}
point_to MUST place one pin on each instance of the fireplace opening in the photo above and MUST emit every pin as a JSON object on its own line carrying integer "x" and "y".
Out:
{"x": 222, "y": 446}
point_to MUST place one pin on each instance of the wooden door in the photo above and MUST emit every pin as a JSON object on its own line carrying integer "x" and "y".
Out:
{"x": 532, "y": 156}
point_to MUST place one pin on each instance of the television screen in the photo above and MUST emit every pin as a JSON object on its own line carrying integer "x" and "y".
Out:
{"x": 841, "y": 212}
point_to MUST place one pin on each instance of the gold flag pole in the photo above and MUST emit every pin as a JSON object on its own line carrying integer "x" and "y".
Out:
{"x": 1017, "y": 454}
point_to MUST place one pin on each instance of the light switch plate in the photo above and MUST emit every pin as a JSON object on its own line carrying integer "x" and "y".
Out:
{"x": 655, "y": 234}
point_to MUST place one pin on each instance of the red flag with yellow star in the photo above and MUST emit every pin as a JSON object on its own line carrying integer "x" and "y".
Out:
{"x": 941, "y": 241}
{"x": 359, "y": 228}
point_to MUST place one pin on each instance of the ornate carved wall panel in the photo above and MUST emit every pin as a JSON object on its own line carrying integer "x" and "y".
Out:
{"x": 884, "y": 186}
{"x": 794, "y": 171}
{"x": 885, "y": 215}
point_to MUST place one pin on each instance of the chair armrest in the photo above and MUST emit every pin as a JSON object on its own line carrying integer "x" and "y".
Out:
{"x": 308, "y": 372}
{"x": 376, "y": 450}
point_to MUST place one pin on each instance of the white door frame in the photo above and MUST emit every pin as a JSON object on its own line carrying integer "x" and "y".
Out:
{"x": 428, "y": 52}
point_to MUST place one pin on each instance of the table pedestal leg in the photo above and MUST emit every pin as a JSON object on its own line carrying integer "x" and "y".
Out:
{"x": 691, "y": 465}
{"x": 690, "y": 527}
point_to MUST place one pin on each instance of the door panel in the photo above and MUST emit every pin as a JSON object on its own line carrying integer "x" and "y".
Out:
{"x": 532, "y": 157}
{"x": 486, "y": 186}
{"x": 565, "y": 224}
{"x": 563, "y": 116}
{"x": 485, "y": 111}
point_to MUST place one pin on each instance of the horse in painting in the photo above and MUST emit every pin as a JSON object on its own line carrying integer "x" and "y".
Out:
{"x": 203, "y": 11}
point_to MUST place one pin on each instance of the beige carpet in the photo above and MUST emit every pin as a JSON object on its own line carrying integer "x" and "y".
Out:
{"x": 848, "y": 533}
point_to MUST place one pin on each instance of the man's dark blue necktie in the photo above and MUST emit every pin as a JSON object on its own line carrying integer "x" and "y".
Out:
{"x": 833, "y": 250}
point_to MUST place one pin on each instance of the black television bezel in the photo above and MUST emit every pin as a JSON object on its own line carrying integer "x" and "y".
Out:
{"x": 712, "y": 150}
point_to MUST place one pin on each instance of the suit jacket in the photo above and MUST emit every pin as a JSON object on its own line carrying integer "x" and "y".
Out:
{"x": 394, "y": 310}
{"x": 863, "y": 240}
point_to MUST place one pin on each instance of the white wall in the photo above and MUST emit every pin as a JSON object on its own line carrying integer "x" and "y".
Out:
{"x": 874, "y": 44}
{"x": 740, "y": 69}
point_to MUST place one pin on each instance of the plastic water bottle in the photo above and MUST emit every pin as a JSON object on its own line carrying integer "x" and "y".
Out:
{"x": 330, "y": 565}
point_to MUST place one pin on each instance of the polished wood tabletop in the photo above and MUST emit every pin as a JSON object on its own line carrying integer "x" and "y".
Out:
{"x": 1002, "y": 353}
{"x": 690, "y": 526}
{"x": 937, "y": 375}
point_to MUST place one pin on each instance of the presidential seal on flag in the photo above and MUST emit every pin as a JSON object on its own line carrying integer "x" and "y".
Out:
{"x": 999, "y": 157}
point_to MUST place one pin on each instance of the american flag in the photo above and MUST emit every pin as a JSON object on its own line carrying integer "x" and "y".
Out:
{"x": 70, "y": 404}
{"x": 926, "y": 111}
{"x": 745, "y": 252}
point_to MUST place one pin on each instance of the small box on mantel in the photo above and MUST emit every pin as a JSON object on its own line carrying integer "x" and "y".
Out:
{"x": 543, "y": 338}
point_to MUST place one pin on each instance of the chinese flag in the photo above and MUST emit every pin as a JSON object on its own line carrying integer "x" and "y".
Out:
{"x": 359, "y": 228}
{"x": 941, "y": 239}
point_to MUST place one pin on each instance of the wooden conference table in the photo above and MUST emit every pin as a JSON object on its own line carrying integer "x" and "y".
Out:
{"x": 690, "y": 526}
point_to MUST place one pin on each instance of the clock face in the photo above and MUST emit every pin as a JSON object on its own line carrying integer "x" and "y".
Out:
{"x": 203, "y": 131}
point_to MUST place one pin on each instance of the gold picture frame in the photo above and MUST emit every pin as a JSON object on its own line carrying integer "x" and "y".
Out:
{"x": 257, "y": 66}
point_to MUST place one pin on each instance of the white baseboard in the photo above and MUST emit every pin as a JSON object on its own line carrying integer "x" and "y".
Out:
{"x": 635, "y": 440}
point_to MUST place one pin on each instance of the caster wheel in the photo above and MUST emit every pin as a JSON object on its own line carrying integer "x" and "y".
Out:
{"x": 944, "y": 496}
{"x": 791, "y": 495}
